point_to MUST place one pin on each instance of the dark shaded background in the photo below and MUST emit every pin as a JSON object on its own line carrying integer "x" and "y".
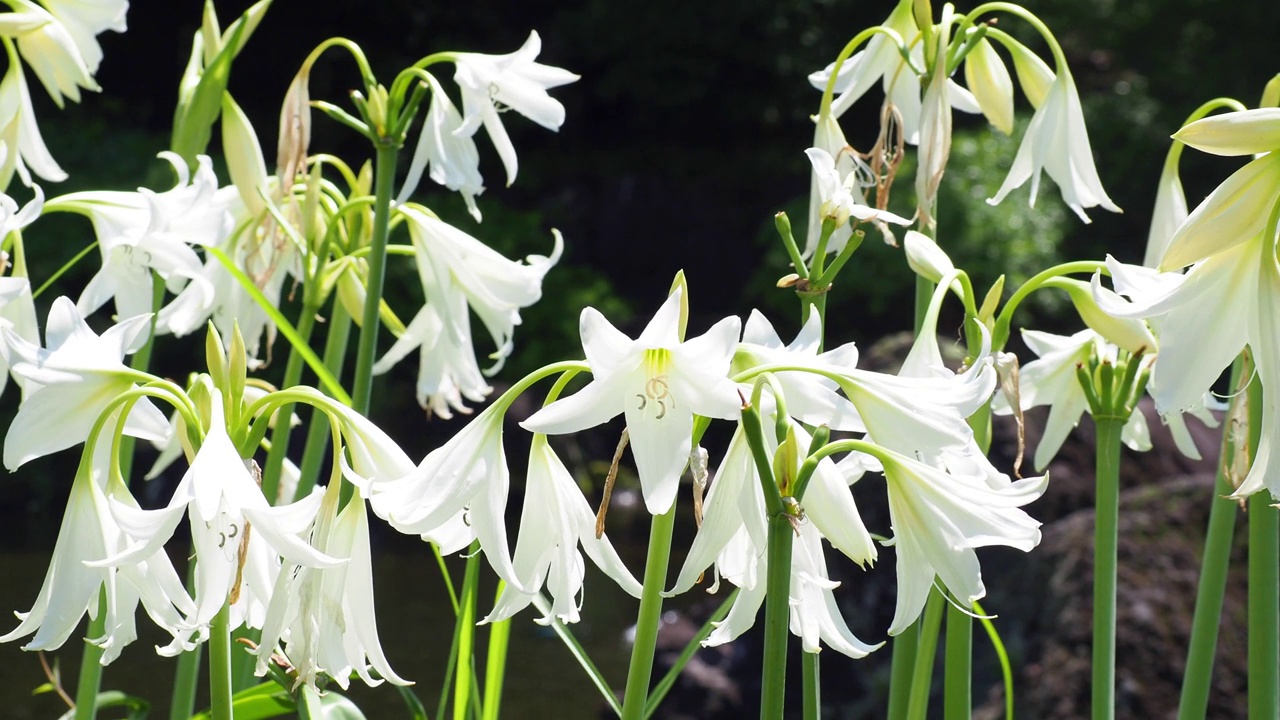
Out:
{"x": 681, "y": 141}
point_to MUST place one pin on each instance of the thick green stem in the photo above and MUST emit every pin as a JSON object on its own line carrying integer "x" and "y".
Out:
{"x": 383, "y": 186}
{"x": 91, "y": 664}
{"x": 1264, "y": 585}
{"x": 466, "y": 633}
{"x": 220, "y": 665}
{"x": 812, "y": 679}
{"x": 649, "y": 619}
{"x": 1214, "y": 564}
{"x": 335, "y": 353}
{"x": 496, "y": 664}
{"x": 283, "y": 429}
{"x": 1264, "y": 606}
{"x": 926, "y": 651}
{"x": 905, "y": 646}
{"x": 1105, "y": 543}
{"x": 957, "y": 679}
{"x": 777, "y": 615}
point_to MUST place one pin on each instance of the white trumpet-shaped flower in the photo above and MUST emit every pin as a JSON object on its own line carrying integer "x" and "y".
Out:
{"x": 325, "y": 616}
{"x": 811, "y": 398}
{"x": 465, "y": 481}
{"x": 460, "y": 273}
{"x": 659, "y": 383}
{"x": 53, "y": 55}
{"x": 237, "y": 536}
{"x": 554, "y": 522}
{"x": 513, "y": 81}
{"x": 89, "y": 533}
{"x": 1057, "y": 142}
{"x": 20, "y": 134}
{"x": 144, "y": 232}
{"x": 449, "y": 158}
{"x": 939, "y": 518}
{"x": 837, "y": 201}
{"x": 71, "y": 381}
{"x": 1051, "y": 380}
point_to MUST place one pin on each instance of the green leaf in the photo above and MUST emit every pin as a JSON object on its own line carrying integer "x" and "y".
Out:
{"x": 339, "y": 707}
{"x": 695, "y": 643}
{"x": 331, "y": 384}
{"x": 266, "y": 700}
{"x": 579, "y": 654}
{"x": 138, "y": 709}
{"x": 417, "y": 711}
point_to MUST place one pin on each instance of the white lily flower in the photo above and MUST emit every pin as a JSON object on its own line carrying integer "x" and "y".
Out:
{"x": 881, "y": 60}
{"x": 812, "y": 399}
{"x": 1235, "y": 212}
{"x": 237, "y": 536}
{"x": 453, "y": 159}
{"x": 460, "y": 272}
{"x": 20, "y": 133}
{"x": 1169, "y": 214}
{"x": 939, "y": 518}
{"x": 837, "y": 201}
{"x": 555, "y": 520}
{"x": 142, "y": 231}
{"x": 814, "y": 616}
{"x": 465, "y": 480}
{"x": 659, "y": 383}
{"x": 84, "y": 20}
{"x": 325, "y": 616}
{"x": 735, "y": 505}
{"x": 53, "y": 55}
{"x": 514, "y": 81}
{"x": 1051, "y": 380}
{"x": 71, "y": 588}
{"x": 1057, "y": 142}
{"x": 70, "y": 383}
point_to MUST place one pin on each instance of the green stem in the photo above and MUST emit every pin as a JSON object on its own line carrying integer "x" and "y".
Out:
{"x": 649, "y": 619}
{"x": 220, "y": 665}
{"x": 466, "y": 634}
{"x": 927, "y": 650}
{"x": 91, "y": 664}
{"x": 335, "y": 354}
{"x": 690, "y": 649}
{"x": 1214, "y": 564}
{"x": 384, "y": 186}
{"x": 905, "y": 647}
{"x": 284, "y": 429}
{"x": 1264, "y": 587}
{"x": 957, "y": 678}
{"x": 496, "y": 664}
{"x": 812, "y": 687}
{"x": 1105, "y": 543}
{"x": 777, "y": 613}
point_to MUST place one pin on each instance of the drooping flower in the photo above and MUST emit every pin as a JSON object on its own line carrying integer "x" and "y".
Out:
{"x": 939, "y": 518}
{"x": 554, "y": 522}
{"x": 1057, "y": 142}
{"x": 838, "y": 202}
{"x": 465, "y": 481}
{"x": 811, "y": 398}
{"x": 450, "y": 159}
{"x": 659, "y": 383}
{"x": 54, "y": 56}
{"x": 20, "y": 133}
{"x": 70, "y": 382}
{"x": 515, "y": 81}
{"x": 144, "y": 231}
{"x": 1051, "y": 380}
{"x": 325, "y": 616}
{"x": 84, "y": 21}
{"x": 89, "y": 533}
{"x": 237, "y": 536}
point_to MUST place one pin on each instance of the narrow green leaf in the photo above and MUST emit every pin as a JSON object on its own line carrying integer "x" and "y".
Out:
{"x": 417, "y": 711}
{"x": 669, "y": 680}
{"x": 1005, "y": 670}
{"x": 137, "y": 708}
{"x": 331, "y": 384}
{"x": 579, "y": 654}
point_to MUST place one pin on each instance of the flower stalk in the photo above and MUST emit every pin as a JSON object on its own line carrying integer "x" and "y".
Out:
{"x": 649, "y": 619}
{"x": 1215, "y": 562}
{"x": 1264, "y": 583}
{"x": 383, "y": 186}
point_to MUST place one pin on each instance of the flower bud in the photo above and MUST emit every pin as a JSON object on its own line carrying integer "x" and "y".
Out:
{"x": 988, "y": 79}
